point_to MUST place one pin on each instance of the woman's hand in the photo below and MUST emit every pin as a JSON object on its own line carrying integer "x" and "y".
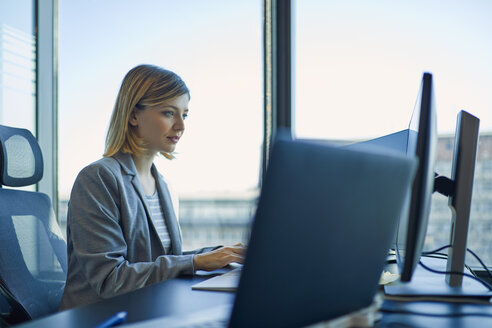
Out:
{"x": 219, "y": 258}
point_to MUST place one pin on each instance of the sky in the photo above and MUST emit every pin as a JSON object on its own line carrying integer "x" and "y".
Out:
{"x": 357, "y": 69}
{"x": 13, "y": 13}
{"x": 17, "y": 64}
{"x": 360, "y": 63}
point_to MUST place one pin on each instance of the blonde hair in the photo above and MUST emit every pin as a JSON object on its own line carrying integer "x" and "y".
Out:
{"x": 143, "y": 86}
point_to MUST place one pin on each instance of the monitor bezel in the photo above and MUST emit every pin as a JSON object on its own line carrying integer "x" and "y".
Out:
{"x": 415, "y": 225}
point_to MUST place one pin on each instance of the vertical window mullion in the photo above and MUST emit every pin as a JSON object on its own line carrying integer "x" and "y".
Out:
{"x": 278, "y": 95}
{"x": 46, "y": 111}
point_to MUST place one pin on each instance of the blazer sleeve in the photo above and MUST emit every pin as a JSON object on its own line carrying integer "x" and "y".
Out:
{"x": 98, "y": 243}
{"x": 202, "y": 250}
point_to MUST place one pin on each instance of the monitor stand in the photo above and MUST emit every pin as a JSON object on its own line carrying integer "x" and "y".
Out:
{"x": 428, "y": 285}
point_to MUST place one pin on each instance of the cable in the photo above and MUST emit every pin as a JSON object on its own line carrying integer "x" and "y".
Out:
{"x": 444, "y": 257}
{"x": 456, "y": 272}
{"x": 468, "y": 250}
{"x": 481, "y": 262}
{"x": 436, "y": 250}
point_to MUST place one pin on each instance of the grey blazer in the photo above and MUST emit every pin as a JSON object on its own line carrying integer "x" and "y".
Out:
{"x": 113, "y": 246}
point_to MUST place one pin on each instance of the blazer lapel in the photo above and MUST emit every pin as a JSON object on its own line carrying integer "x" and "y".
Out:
{"x": 129, "y": 168}
{"x": 169, "y": 215}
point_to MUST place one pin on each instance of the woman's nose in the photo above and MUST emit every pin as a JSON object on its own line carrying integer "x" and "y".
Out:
{"x": 179, "y": 124}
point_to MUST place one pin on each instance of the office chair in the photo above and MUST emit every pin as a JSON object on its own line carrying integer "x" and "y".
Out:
{"x": 33, "y": 253}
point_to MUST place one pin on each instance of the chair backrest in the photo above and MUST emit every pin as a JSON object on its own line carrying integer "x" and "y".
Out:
{"x": 33, "y": 253}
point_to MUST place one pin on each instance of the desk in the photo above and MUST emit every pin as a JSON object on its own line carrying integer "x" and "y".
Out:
{"x": 411, "y": 320}
{"x": 163, "y": 299}
{"x": 434, "y": 314}
{"x": 175, "y": 297}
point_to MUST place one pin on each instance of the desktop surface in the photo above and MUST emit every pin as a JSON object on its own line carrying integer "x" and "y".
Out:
{"x": 430, "y": 284}
{"x": 435, "y": 315}
{"x": 175, "y": 297}
{"x": 172, "y": 297}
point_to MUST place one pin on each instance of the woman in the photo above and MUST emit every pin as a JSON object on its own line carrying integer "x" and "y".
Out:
{"x": 122, "y": 231}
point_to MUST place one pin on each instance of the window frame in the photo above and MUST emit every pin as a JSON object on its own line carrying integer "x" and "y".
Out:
{"x": 45, "y": 25}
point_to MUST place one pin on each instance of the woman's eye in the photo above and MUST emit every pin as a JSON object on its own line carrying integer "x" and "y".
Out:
{"x": 168, "y": 113}
{"x": 185, "y": 116}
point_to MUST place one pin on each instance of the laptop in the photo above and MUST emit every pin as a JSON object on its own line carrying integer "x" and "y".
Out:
{"x": 324, "y": 224}
{"x": 227, "y": 282}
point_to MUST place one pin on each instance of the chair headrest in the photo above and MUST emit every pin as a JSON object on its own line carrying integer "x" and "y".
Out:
{"x": 21, "y": 161}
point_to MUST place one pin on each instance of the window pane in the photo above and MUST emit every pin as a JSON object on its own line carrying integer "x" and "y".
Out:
{"x": 219, "y": 57}
{"x": 17, "y": 64}
{"x": 358, "y": 71}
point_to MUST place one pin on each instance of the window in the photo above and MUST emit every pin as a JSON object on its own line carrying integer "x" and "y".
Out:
{"x": 486, "y": 162}
{"x": 17, "y": 64}
{"x": 219, "y": 56}
{"x": 358, "y": 71}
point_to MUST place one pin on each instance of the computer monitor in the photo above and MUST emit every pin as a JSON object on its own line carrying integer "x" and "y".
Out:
{"x": 459, "y": 190}
{"x": 421, "y": 142}
{"x": 463, "y": 171}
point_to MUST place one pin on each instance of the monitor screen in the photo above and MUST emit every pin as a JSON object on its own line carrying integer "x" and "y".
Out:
{"x": 421, "y": 142}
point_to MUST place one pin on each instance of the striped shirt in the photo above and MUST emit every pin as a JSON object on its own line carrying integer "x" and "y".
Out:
{"x": 157, "y": 217}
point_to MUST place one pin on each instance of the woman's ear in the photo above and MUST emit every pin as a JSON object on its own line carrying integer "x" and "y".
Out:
{"x": 133, "y": 118}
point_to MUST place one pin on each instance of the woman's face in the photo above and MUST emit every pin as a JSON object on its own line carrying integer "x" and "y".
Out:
{"x": 162, "y": 126}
